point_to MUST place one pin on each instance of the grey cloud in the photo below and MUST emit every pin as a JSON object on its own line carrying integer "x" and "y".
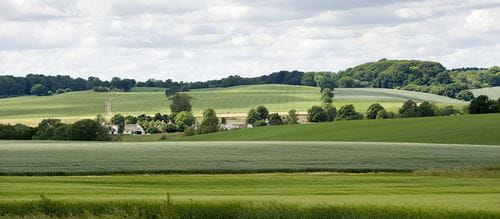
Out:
{"x": 201, "y": 40}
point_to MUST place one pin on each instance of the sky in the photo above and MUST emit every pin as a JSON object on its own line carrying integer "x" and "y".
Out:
{"x": 194, "y": 40}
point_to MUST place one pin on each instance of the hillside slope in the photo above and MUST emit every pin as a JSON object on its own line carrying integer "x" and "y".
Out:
{"x": 491, "y": 92}
{"x": 233, "y": 100}
{"x": 469, "y": 129}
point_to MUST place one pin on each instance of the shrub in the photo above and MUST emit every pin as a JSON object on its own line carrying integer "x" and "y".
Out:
{"x": 275, "y": 119}
{"x": 184, "y": 119}
{"x": 465, "y": 95}
{"x": 87, "y": 130}
{"x": 482, "y": 104}
{"x": 189, "y": 131}
{"x": 252, "y": 116}
{"x": 316, "y": 114}
{"x": 292, "y": 117}
{"x": 60, "y": 91}
{"x": 259, "y": 123}
{"x": 101, "y": 89}
{"x": 409, "y": 109}
{"x": 446, "y": 111}
{"x": 382, "y": 114}
{"x": 348, "y": 112}
{"x": 330, "y": 112}
{"x": 425, "y": 109}
{"x": 372, "y": 111}
{"x": 170, "y": 128}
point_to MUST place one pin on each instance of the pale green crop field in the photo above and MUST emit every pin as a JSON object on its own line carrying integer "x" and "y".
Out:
{"x": 234, "y": 100}
{"x": 491, "y": 92}
{"x": 67, "y": 158}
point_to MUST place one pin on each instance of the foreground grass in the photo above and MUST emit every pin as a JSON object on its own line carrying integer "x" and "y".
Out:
{"x": 46, "y": 208}
{"x": 421, "y": 192}
{"x": 81, "y": 158}
{"x": 466, "y": 129}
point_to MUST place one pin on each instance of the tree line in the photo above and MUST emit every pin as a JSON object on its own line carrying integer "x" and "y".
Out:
{"x": 54, "y": 129}
{"x": 414, "y": 75}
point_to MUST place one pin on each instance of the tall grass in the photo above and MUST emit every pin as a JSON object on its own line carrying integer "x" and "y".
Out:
{"x": 168, "y": 209}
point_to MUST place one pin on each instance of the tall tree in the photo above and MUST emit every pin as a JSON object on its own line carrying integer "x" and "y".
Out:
{"x": 327, "y": 95}
{"x": 210, "y": 122}
{"x": 180, "y": 102}
{"x": 263, "y": 112}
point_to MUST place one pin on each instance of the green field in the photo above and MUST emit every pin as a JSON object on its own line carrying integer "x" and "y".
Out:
{"x": 491, "y": 92}
{"x": 463, "y": 129}
{"x": 67, "y": 158}
{"x": 234, "y": 100}
{"x": 412, "y": 190}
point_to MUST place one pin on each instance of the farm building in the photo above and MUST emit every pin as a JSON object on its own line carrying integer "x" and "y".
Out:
{"x": 133, "y": 129}
{"x": 235, "y": 126}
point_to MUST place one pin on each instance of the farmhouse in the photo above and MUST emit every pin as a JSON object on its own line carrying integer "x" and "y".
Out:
{"x": 133, "y": 129}
{"x": 235, "y": 126}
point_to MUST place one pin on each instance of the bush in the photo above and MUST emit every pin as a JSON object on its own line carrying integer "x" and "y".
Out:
{"x": 87, "y": 130}
{"x": 101, "y": 89}
{"x": 382, "y": 114}
{"x": 409, "y": 109}
{"x": 252, "y": 116}
{"x": 18, "y": 132}
{"x": 348, "y": 112}
{"x": 275, "y": 119}
{"x": 426, "y": 109}
{"x": 316, "y": 114}
{"x": 60, "y": 91}
{"x": 259, "y": 123}
{"x": 292, "y": 117}
{"x": 482, "y": 104}
{"x": 38, "y": 89}
{"x": 184, "y": 120}
{"x": 465, "y": 95}
{"x": 372, "y": 111}
{"x": 446, "y": 111}
{"x": 330, "y": 111}
{"x": 170, "y": 128}
{"x": 189, "y": 131}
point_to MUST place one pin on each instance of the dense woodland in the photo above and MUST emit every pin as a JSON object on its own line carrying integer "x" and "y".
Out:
{"x": 413, "y": 75}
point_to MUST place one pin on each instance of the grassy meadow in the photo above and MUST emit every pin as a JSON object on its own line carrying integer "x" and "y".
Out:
{"x": 464, "y": 129}
{"x": 83, "y": 158}
{"x": 396, "y": 194}
{"x": 238, "y": 100}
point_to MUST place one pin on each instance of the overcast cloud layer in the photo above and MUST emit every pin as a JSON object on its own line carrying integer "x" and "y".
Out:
{"x": 199, "y": 40}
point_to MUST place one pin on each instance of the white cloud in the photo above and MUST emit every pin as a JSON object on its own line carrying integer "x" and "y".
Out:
{"x": 195, "y": 40}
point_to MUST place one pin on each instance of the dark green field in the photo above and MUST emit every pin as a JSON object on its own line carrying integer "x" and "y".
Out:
{"x": 465, "y": 129}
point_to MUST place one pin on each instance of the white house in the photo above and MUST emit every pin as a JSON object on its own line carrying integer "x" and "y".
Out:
{"x": 133, "y": 129}
{"x": 235, "y": 126}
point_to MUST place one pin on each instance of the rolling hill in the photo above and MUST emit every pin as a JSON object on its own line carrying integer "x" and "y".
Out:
{"x": 235, "y": 101}
{"x": 467, "y": 129}
{"x": 491, "y": 92}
